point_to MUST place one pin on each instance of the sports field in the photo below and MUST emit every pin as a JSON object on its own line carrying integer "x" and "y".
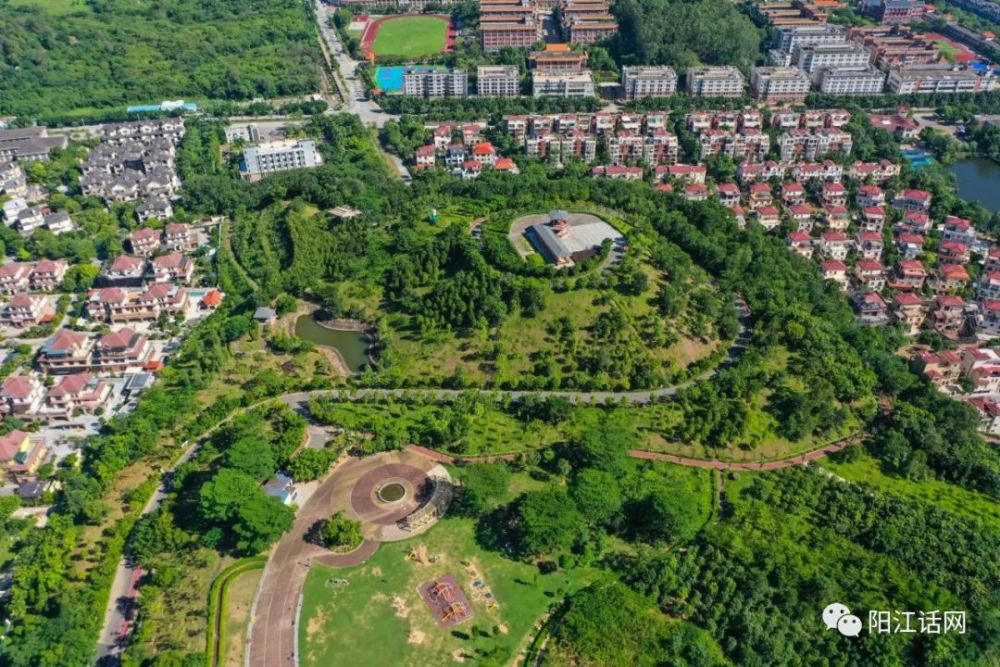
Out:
{"x": 410, "y": 36}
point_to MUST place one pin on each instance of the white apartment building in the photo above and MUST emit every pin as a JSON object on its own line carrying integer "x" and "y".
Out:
{"x": 564, "y": 84}
{"x": 648, "y": 82}
{"x": 815, "y": 57}
{"x": 242, "y": 132}
{"x": 787, "y": 37}
{"x": 498, "y": 81}
{"x": 934, "y": 79}
{"x": 779, "y": 83}
{"x": 268, "y": 158}
{"x": 851, "y": 81}
{"x": 435, "y": 82}
{"x": 715, "y": 82}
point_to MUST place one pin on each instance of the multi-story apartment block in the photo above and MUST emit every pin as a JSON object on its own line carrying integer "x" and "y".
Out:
{"x": 566, "y": 84}
{"x": 498, "y": 81}
{"x": 786, "y": 38}
{"x": 557, "y": 58}
{"x": 715, "y": 82}
{"x": 894, "y": 11}
{"x": 509, "y": 32}
{"x": 640, "y": 82}
{"x": 813, "y": 58}
{"x": 268, "y": 158}
{"x": 866, "y": 80}
{"x": 779, "y": 84}
{"x": 433, "y": 82}
{"x": 936, "y": 79}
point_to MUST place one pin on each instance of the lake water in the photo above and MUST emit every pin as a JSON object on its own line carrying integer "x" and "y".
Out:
{"x": 352, "y": 345}
{"x": 979, "y": 180}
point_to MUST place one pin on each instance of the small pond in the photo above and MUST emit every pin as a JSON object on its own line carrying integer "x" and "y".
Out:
{"x": 978, "y": 180}
{"x": 352, "y": 345}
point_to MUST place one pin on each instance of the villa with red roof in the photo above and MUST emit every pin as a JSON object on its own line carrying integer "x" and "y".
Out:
{"x": 79, "y": 391}
{"x": 835, "y": 270}
{"x": 48, "y": 274}
{"x": 25, "y": 310}
{"x": 801, "y": 243}
{"x": 180, "y": 237}
{"x": 909, "y": 275}
{"x": 120, "y": 350}
{"x": 123, "y": 271}
{"x": 950, "y": 278}
{"x": 144, "y": 242}
{"x": 870, "y": 274}
{"x": 793, "y": 193}
{"x": 834, "y": 245}
{"x": 869, "y": 244}
{"x": 14, "y": 277}
{"x": 873, "y": 218}
{"x": 912, "y": 200}
{"x": 948, "y": 315}
{"x": 21, "y": 395}
{"x": 66, "y": 352}
{"x": 484, "y": 153}
{"x": 20, "y": 454}
{"x": 909, "y": 309}
{"x": 174, "y": 267}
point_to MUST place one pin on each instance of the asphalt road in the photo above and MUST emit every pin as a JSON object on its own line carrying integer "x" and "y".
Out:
{"x": 352, "y": 88}
{"x": 108, "y": 645}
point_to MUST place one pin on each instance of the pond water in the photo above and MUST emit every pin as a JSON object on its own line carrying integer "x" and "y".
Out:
{"x": 978, "y": 180}
{"x": 352, "y": 345}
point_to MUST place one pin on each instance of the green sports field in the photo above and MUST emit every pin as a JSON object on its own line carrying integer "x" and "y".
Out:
{"x": 410, "y": 36}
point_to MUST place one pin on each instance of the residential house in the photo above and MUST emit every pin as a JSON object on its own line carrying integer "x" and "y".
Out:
{"x": 768, "y": 217}
{"x": 801, "y": 243}
{"x": 873, "y": 218}
{"x": 20, "y": 454}
{"x": 989, "y": 413}
{"x": 869, "y": 195}
{"x": 910, "y": 246}
{"x": 79, "y": 391}
{"x": 834, "y": 194}
{"x": 123, "y": 271}
{"x": 14, "y": 277}
{"x": 728, "y": 194}
{"x": 834, "y": 245}
{"x": 837, "y": 217}
{"x": 958, "y": 229}
{"x": 950, "y": 278}
{"x": 988, "y": 320}
{"x": 948, "y": 315}
{"x": 144, "y": 242}
{"x": 793, "y": 194}
{"x": 869, "y": 244}
{"x": 909, "y": 275}
{"x": 47, "y": 275}
{"x": 120, "y": 350}
{"x": 26, "y": 310}
{"x": 21, "y": 395}
{"x": 174, "y": 267}
{"x": 179, "y": 237}
{"x": 66, "y": 352}
{"x": 870, "y": 274}
{"x": 836, "y": 271}
{"x": 909, "y": 309}
{"x": 981, "y": 366}
{"x": 759, "y": 195}
{"x": 912, "y": 200}
{"x": 954, "y": 252}
{"x": 870, "y": 307}
{"x": 941, "y": 368}
{"x": 802, "y": 215}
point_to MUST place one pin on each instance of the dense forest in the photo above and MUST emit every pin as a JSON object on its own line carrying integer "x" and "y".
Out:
{"x": 113, "y": 52}
{"x": 684, "y": 34}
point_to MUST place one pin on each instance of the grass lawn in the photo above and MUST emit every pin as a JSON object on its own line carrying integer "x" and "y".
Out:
{"x": 238, "y": 604}
{"x": 378, "y": 618}
{"x": 943, "y": 495}
{"x": 410, "y": 37}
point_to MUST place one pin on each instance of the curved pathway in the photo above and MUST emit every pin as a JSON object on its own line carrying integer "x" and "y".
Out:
{"x": 272, "y": 639}
{"x": 777, "y": 464}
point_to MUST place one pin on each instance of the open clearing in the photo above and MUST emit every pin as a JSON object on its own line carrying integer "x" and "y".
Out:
{"x": 378, "y": 617}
